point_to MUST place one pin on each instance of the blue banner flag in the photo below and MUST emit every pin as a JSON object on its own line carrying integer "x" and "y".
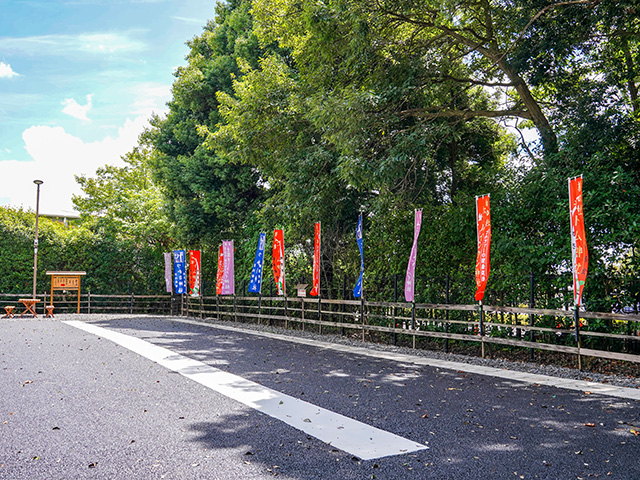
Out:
{"x": 255, "y": 284}
{"x": 179, "y": 272}
{"x": 357, "y": 291}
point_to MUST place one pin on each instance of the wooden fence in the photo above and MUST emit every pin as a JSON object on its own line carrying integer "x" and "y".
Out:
{"x": 602, "y": 335}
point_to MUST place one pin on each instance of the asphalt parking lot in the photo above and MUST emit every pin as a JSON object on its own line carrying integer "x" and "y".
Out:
{"x": 77, "y": 404}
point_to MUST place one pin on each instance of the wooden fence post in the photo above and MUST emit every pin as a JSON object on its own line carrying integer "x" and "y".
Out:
{"x": 532, "y": 318}
{"x": 413, "y": 322}
{"x": 447, "y": 301}
{"x": 395, "y": 309}
{"x": 481, "y": 327}
{"x": 576, "y": 318}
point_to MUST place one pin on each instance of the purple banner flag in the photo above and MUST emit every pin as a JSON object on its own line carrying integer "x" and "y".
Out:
{"x": 167, "y": 272}
{"x": 410, "y": 279}
{"x": 228, "y": 282}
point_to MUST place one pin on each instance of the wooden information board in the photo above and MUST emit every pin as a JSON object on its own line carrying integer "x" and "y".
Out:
{"x": 68, "y": 281}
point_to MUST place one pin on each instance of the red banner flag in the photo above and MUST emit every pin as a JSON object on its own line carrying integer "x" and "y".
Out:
{"x": 483, "y": 217}
{"x": 278, "y": 260}
{"x": 194, "y": 273}
{"x": 220, "y": 272}
{"x": 580, "y": 255}
{"x": 315, "y": 291}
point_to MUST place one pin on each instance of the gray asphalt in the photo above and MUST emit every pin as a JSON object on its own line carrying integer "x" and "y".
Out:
{"x": 74, "y": 405}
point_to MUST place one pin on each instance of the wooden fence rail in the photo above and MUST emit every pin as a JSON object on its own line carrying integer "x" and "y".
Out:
{"x": 602, "y": 335}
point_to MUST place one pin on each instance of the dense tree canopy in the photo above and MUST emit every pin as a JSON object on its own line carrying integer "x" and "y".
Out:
{"x": 289, "y": 112}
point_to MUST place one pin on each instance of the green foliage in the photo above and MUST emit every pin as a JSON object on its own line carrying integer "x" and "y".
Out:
{"x": 208, "y": 197}
{"x": 112, "y": 265}
{"x": 289, "y": 112}
{"x": 125, "y": 203}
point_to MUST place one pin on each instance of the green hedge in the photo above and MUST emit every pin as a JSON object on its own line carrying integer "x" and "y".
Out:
{"x": 112, "y": 265}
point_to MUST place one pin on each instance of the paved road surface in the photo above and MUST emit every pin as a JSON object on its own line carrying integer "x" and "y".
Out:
{"x": 76, "y": 404}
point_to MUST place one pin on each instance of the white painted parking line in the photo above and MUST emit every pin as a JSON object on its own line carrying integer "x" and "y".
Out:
{"x": 356, "y": 438}
{"x": 524, "y": 377}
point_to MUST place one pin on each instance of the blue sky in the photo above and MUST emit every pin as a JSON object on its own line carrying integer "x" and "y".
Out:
{"x": 79, "y": 80}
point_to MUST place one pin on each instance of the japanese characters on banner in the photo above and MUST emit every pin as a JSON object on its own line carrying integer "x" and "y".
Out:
{"x": 357, "y": 290}
{"x": 410, "y": 279}
{"x": 179, "y": 272}
{"x": 220, "y": 271}
{"x": 167, "y": 272}
{"x": 483, "y": 216}
{"x": 315, "y": 290}
{"x": 228, "y": 280}
{"x": 225, "y": 282}
{"x": 255, "y": 284}
{"x": 278, "y": 260}
{"x": 194, "y": 273}
{"x": 580, "y": 255}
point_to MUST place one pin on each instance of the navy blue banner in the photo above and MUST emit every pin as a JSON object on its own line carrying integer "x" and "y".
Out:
{"x": 179, "y": 272}
{"x": 255, "y": 284}
{"x": 357, "y": 291}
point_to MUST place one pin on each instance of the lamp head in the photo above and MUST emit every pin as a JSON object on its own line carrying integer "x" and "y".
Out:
{"x": 38, "y": 182}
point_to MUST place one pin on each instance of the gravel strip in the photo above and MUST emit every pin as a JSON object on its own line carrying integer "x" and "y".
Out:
{"x": 549, "y": 370}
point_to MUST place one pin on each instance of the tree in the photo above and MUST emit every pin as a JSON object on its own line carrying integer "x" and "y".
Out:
{"x": 124, "y": 202}
{"x": 208, "y": 198}
{"x": 361, "y": 102}
{"x": 479, "y": 33}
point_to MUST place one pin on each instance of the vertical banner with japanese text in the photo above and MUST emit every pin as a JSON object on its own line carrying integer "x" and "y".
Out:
{"x": 410, "y": 279}
{"x": 483, "y": 217}
{"x": 220, "y": 271}
{"x": 255, "y": 284}
{"x": 315, "y": 290}
{"x": 179, "y": 272}
{"x": 278, "y": 261}
{"x": 228, "y": 274}
{"x": 580, "y": 254}
{"x": 167, "y": 272}
{"x": 194, "y": 273}
{"x": 357, "y": 290}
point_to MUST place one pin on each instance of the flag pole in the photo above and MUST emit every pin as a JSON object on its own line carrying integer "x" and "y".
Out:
{"x": 480, "y": 309}
{"x": 319, "y": 272}
{"x": 574, "y": 275}
{"x": 362, "y": 284}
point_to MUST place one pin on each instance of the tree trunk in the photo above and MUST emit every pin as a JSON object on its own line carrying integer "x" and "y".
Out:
{"x": 631, "y": 84}
{"x": 548, "y": 136}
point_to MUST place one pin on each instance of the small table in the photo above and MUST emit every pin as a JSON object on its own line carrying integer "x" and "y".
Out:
{"x": 29, "y": 304}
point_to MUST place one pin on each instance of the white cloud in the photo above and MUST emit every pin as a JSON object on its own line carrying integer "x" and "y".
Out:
{"x": 57, "y": 157}
{"x": 70, "y": 45}
{"x": 150, "y": 97}
{"x": 6, "y": 71}
{"x": 194, "y": 20}
{"x": 73, "y": 108}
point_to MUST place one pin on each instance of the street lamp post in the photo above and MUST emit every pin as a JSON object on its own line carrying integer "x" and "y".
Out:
{"x": 35, "y": 242}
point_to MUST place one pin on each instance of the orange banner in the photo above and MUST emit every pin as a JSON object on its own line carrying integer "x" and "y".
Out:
{"x": 483, "y": 217}
{"x": 220, "y": 274}
{"x": 315, "y": 290}
{"x": 278, "y": 260}
{"x": 580, "y": 255}
{"x": 194, "y": 273}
